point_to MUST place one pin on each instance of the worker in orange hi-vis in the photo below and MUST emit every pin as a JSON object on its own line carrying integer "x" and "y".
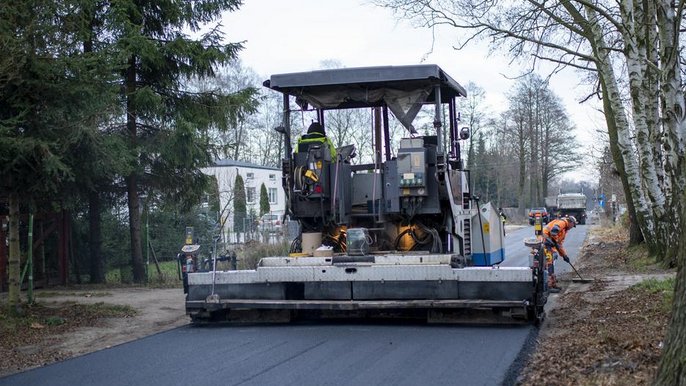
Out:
{"x": 554, "y": 234}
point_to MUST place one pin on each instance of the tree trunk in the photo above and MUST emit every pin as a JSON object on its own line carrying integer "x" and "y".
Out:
{"x": 618, "y": 129}
{"x": 594, "y": 34}
{"x": 635, "y": 233}
{"x": 14, "y": 261}
{"x": 132, "y": 180}
{"x": 135, "y": 231}
{"x": 673, "y": 109}
{"x": 636, "y": 59}
{"x": 673, "y": 104}
{"x": 97, "y": 261}
{"x": 672, "y": 369}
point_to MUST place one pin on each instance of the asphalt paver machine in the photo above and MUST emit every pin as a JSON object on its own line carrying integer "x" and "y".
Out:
{"x": 400, "y": 235}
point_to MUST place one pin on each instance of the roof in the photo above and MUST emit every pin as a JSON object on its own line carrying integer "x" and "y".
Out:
{"x": 342, "y": 85}
{"x": 242, "y": 164}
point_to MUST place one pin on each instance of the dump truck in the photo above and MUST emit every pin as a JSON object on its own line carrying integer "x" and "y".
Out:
{"x": 572, "y": 204}
{"x": 399, "y": 235}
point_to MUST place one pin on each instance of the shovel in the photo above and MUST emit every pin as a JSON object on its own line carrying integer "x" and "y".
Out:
{"x": 580, "y": 279}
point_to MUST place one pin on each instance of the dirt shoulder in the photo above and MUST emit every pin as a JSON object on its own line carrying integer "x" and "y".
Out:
{"x": 69, "y": 322}
{"x": 606, "y": 332}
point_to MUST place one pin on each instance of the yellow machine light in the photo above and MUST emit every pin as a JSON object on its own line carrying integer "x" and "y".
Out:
{"x": 339, "y": 234}
{"x": 319, "y": 165}
{"x": 538, "y": 225}
{"x": 487, "y": 227}
{"x": 311, "y": 175}
{"x": 406, "y": 192}
{"x": 339, "y": 231}
{"x": 189, "y": 235}
{"x": 406, "y": 242}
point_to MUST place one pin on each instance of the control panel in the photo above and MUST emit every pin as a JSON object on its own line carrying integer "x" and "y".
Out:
{"x": 412, "y": 167}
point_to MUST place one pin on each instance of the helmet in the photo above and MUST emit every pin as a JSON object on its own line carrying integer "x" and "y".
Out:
{"x": 316, "y": 127}
{"x": 571, "y": 220}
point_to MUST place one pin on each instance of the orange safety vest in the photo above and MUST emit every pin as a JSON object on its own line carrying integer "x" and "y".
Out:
{"x": 560, "y": 237}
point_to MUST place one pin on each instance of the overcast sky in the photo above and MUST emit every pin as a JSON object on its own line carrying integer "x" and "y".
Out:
{"x": 292, "y": 36}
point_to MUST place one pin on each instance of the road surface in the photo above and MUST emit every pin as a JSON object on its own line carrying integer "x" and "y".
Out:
{"x": 312, "y": 353}
{"x": 301, "y": 354}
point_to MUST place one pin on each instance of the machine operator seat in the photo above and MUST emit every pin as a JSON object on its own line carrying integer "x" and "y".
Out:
{"x": 316, "y": 143}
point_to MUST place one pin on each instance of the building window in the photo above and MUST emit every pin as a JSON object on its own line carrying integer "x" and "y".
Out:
{"x": 249, "y": 176}
{"x": 250, "y": 194}
{"x": 272, "y": 195}
{"x": 272, "y": 177}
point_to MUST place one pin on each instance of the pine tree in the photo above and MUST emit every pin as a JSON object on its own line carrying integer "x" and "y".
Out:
{"x": 49, "y": 93}
{"x": 167, "y": 123}
{"x": 264, "y": 200}
{"x": 240, "y": 211}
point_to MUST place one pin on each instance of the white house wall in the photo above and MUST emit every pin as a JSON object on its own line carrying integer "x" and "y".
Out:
{"x": 226, "y": 176}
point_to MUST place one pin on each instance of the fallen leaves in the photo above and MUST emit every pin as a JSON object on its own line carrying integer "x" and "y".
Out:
{"x": 28, "y": 341}
{"x": 601, "y": 336}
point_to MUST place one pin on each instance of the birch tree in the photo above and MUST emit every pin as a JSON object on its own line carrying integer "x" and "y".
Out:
{"x": 607, "y": 41}
{"x": 599, "y": 39}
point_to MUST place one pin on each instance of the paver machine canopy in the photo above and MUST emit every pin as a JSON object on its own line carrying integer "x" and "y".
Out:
{"x": 400, "y": 186}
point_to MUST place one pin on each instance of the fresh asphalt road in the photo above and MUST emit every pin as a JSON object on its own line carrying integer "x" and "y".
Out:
{"x": 312, "y": 353}
{"x": 301, "y": 354}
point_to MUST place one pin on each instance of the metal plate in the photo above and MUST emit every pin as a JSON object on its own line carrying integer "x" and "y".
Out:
{"x": 360, "y": 272}
{"x": 394, "y": 259}
{"x": 357, "y": 304}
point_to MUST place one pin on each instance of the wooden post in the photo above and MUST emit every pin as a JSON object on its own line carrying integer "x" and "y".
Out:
{"x": 14, "y": 266}
{"x": 154, "y": 256}
{"x": 63, "y": 242}
{"x": 3, "y": 256}
{"x": 41, "y": 253}
{"x": 29, "y": 262}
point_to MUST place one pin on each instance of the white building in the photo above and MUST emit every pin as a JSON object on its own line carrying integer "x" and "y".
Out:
{"x": 254, "y": 176}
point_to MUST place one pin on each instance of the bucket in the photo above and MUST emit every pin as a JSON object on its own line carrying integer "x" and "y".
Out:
{"x": 310, "y": 242}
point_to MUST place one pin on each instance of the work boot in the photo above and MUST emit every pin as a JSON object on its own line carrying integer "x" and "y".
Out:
{"x": 552, "y": 284}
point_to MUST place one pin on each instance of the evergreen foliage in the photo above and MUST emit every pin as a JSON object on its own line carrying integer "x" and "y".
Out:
{"x": 49, "y": 93}
{"x": 52, "y": 94}
{"x": 95, "y": 105}
{"x": 240, "y": 211}
{"x": 167, "y": 123}
{"x": 264, "y": 200}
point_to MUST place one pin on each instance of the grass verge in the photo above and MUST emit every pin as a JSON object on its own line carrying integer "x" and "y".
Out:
{"x": 664, "y": 287}
{"x": 167, "y": 277}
